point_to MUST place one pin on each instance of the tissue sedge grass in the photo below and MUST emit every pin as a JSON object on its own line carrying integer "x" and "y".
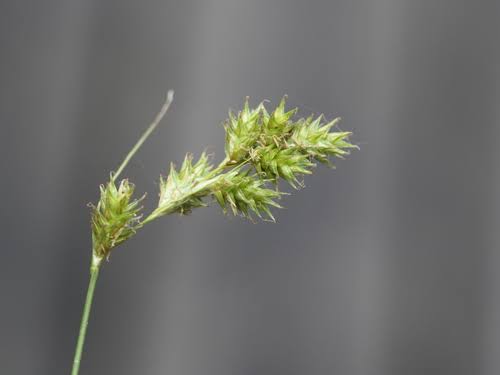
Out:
{"x": 261, "y": 149}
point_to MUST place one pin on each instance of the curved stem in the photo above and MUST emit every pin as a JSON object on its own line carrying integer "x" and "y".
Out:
{"x": 94, "y": 273}
{"x": 147, "y": 133}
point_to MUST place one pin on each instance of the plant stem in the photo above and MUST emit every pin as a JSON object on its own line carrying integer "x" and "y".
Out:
{"x": 147, "y": 133}
{"x": 94, "y": 273}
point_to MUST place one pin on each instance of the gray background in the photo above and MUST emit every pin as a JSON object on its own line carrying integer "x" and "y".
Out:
{"x": 388, "y": 265}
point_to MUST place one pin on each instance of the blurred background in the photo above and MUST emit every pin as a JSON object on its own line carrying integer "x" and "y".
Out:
{"x": 387, "y": 265}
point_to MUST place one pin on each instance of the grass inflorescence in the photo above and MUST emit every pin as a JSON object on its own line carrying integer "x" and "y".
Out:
{"x": 261, "y": 149}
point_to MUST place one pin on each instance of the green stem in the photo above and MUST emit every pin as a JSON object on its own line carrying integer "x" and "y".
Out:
{"x": 94, "y": 273}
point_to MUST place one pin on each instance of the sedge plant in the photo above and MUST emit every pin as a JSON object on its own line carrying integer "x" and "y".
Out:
{"x": 261, "y": 148}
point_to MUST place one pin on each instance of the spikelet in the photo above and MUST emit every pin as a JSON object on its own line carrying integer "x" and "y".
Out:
{"x": 115, "y": 218}
{"x": 242, "y": 132}
{"x": 245, "y": 194}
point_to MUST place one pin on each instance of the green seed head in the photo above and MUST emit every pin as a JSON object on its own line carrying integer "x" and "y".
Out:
{"x": 314, "y": 138}
{"x": 115, "y": 218}
{"x": 242, "y": 131}
{"x": 261, "y": 147}
{"x": 286, "y": 163}
{"x": 243, "y": 194}
{"x": 183, "y": 190}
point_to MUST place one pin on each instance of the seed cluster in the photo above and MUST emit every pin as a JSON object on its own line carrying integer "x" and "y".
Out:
{"x": 115, "y": 218}
{"x": 261, "y": 149}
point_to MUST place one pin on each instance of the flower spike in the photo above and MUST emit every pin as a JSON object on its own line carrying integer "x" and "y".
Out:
{"x": 261, "y": 149}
